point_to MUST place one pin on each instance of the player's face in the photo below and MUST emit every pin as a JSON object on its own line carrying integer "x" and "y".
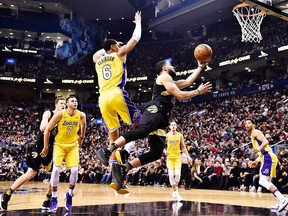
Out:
{"x": 171, "y": 69}
{"x": 249, "y": 125}
{"x": 173, "y": 126}
{"x": 72, "y": 103}
{"x": 61, "y": 105}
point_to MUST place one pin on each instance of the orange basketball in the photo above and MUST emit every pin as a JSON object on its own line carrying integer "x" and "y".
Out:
{"x": 203, "y": 53}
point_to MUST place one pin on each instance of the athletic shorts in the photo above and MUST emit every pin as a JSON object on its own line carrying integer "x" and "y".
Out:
{"x": 174, "y": 163}
{"x": 116, "y": 102}
{"x": 34, "y": 160}
{"x": 67, "y": 152}
{"x": 269, "y": 163}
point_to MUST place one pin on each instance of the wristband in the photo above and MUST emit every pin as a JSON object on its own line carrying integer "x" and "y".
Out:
{"x": 137, "y": 32}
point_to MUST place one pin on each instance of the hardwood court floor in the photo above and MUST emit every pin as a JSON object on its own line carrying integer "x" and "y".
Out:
{"x": 96, "y": 196}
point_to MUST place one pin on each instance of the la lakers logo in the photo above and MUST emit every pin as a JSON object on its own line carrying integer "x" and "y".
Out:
{"x": 266, "y": 171}
{"x": 135, "y": 116}
{"x": 34, "y": 154}
{"x": 152, "y": 109}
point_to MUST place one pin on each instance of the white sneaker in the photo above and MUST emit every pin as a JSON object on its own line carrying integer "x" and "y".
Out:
{"x": 176, "y": 206}
{"x": 259, "y": 190}
{"x": 252, "y": 189}
{"x": 276, "y": 206}
{"x": 282, "y": 205}
{"x": 174, "y": 194}
{"x": 178, "y": 197}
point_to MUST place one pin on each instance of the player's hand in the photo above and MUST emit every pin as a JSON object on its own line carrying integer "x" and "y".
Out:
{"x": 44, "y": 152}
{"x": 253, "y": 164}
{"x": 80, "y": 142}
{"x": 204, "y": 88}
{"x": 256, "y": 150}
{"x": 202, "y": 64}
{"x": 137, "y": 18}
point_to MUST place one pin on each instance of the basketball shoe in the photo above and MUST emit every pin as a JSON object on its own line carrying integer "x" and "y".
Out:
{"x": 119, "y": 173}
{"x": 123, "y": 190}
{"x": 46, "y": 205}
{"x": 122, "y": 156}
{"x": 53, "y": 204}
{"x": 4, "y": 198}
{"x": 282, "y": 204}
{"x": 68, "y": 202}
{"x": 103, "y": 155}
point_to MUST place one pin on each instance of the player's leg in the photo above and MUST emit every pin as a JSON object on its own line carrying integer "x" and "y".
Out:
{"x": 157, "y": 144}
{"x": 33, "y": 161}
{"x": 72, "y": 162}
{"x": 58, "y": 156}
{"x": 267, "y": 172}
{"x": 110, "y": 117}
{"x": 17, "y": 184}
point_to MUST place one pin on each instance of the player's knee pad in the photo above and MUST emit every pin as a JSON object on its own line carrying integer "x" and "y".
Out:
{"x": 73, "y": 175}
{"x": 55, "y": 175}
{"x": 177, "y": 175}
{"x": 171, "y": 177}
{"x": 265, "y": 181}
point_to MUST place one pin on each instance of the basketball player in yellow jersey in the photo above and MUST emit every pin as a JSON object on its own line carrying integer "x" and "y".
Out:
{"x": 114, "y": 101}
{"x": 268, "y": 162}
{"x": 66, "y": 147}
{"x": 175, "y": 143}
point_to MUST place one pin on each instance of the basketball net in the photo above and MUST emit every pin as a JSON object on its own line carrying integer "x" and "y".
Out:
{"x": 250, "y": 19}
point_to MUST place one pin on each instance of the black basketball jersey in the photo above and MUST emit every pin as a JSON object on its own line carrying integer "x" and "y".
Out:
{"x": 53, "y": 133}
{"x": 160, "y": 94}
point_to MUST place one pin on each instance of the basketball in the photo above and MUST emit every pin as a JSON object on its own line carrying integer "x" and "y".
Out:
{"x": 203, "y": 53}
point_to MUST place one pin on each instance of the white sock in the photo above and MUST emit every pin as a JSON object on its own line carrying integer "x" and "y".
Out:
{"x": 54, "y": 194}
{"x": 278, "y": 195}
{"x": 71, "y": 192}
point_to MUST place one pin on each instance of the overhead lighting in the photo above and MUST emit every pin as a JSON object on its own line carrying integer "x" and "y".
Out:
{"x": 97, "y": 19}
{"x": 122, "y": 18}
{"x": 11, "y": 33}
{"x": 48, "y": 37}
{"x": 120, "y": 32}
{"x": 29, "y": 35}
{"x": 58, "y": 37}
{"x": 110, "y": 18}
{"x": 12, "y": 5}
{"x": 47, "y": 89}
{"x": 58, "y": 89}
{"x": 1, "y": 4}
{"x": 69, "y": 90}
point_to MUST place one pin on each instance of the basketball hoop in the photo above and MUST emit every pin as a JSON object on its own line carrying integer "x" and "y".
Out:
{"x": 250, "y": 19}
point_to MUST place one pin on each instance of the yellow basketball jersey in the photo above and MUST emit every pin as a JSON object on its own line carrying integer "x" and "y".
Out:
{"x": 111, "y": 72}
{"x": 173, "y": 144}
{"x": 256, "y": 143}
{"x": 68, "y": 128}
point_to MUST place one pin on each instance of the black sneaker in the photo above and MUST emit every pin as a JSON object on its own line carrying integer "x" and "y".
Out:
{"x": 4, "y": 198}
{"x": 122, "y": 156}
{"x": 118, "y": 173}
{"x": 46, "y": 205}
{"x": 103, "y": 155}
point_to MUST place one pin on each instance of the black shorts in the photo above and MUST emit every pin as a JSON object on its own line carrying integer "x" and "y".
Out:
{"x": 156, "y": 120}
{"x": 34, "y": 159}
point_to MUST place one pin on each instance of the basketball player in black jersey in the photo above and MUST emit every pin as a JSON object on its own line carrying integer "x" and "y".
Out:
{"x": 155, "y": 118}
{"x": 34, "y": 159}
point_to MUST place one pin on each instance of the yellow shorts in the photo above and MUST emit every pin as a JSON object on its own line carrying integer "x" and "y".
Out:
{"x": 174, "y": 163}
{"x": 67, "y": 152}
{"x": 116, "y": 102}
